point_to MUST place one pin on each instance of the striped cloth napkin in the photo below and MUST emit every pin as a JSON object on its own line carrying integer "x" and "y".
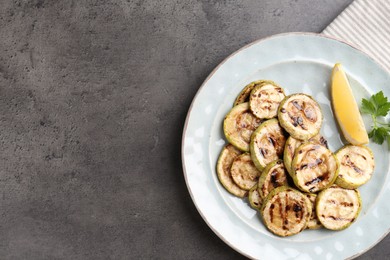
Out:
{"x": 366, "y": 25}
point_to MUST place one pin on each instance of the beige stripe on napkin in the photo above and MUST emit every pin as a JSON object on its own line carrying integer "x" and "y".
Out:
{"x": 365, "y": 24}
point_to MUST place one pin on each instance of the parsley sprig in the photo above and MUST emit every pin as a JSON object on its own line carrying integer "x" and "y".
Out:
{"x": 378, "y": 107}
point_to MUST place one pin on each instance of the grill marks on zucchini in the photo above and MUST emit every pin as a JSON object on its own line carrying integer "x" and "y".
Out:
{"x": 244, "y": 172}
{"x": 274, "y": 175}
{"x": 244, "y": 94}
{"x": 265, "y": 98}
{"x": 300, "y": 116}
{"x": 254, "y": 198}
{"x": 225, "y": 161}
{"x": 239, "y": 125}
{"x": 314, "y": 222}
{"x": 356, "y": 166}
{"x": 314, "y": 167}
{"x": 337, "y": 207}
{"x": 292, "y": 144}
{"x": 286, "y": 211}
{"x": 267, "y": 143}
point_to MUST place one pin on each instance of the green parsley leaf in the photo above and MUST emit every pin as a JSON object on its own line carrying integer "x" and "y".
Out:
{"x": 380, "y": 103}
{"x": 379, "y": 98}
{"x": 377, "y": 106}
{"x": 383, "y": 110}
{"x": 378, "y": 135}
{"x": 367, "y": 107}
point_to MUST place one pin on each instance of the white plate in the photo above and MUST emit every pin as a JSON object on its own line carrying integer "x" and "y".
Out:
{"x": 299, "y": 63}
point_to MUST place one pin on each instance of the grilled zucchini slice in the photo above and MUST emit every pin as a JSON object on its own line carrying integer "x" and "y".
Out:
{"x": 356, "y": 166}
{"x": 239, "y": 125}
{"x": 292, "y": 144}
{"x": 314, "y": 167}
{"x": 265, "y": 98}
{"x": 244, "y": 172}
{"x": 300, "y": 116}
{"x": 286, "y": 211}
{"x": 254, "y": 198}
{"x": 267, "y": 143}
{"x": 246, "y": 91}
{"x": 313, "y": 223}
{"x": 274, "y": 175}
{"x": 225, "y": 160}
{"x": 337, "y": 208}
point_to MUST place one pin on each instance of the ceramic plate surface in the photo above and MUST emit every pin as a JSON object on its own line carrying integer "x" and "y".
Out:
{"x": 299, "y": 63}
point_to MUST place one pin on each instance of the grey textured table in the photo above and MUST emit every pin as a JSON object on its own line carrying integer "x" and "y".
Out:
{"x": 93, "y": 98}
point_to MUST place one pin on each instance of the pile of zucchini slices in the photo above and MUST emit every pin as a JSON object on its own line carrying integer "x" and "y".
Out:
{"x": 277, "y": 158}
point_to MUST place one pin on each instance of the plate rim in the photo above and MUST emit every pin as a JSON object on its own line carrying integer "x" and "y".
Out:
{"x": 210, "y": 75}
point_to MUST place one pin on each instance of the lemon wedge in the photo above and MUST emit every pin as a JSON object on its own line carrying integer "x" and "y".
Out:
{"x": 346, "y": 109}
